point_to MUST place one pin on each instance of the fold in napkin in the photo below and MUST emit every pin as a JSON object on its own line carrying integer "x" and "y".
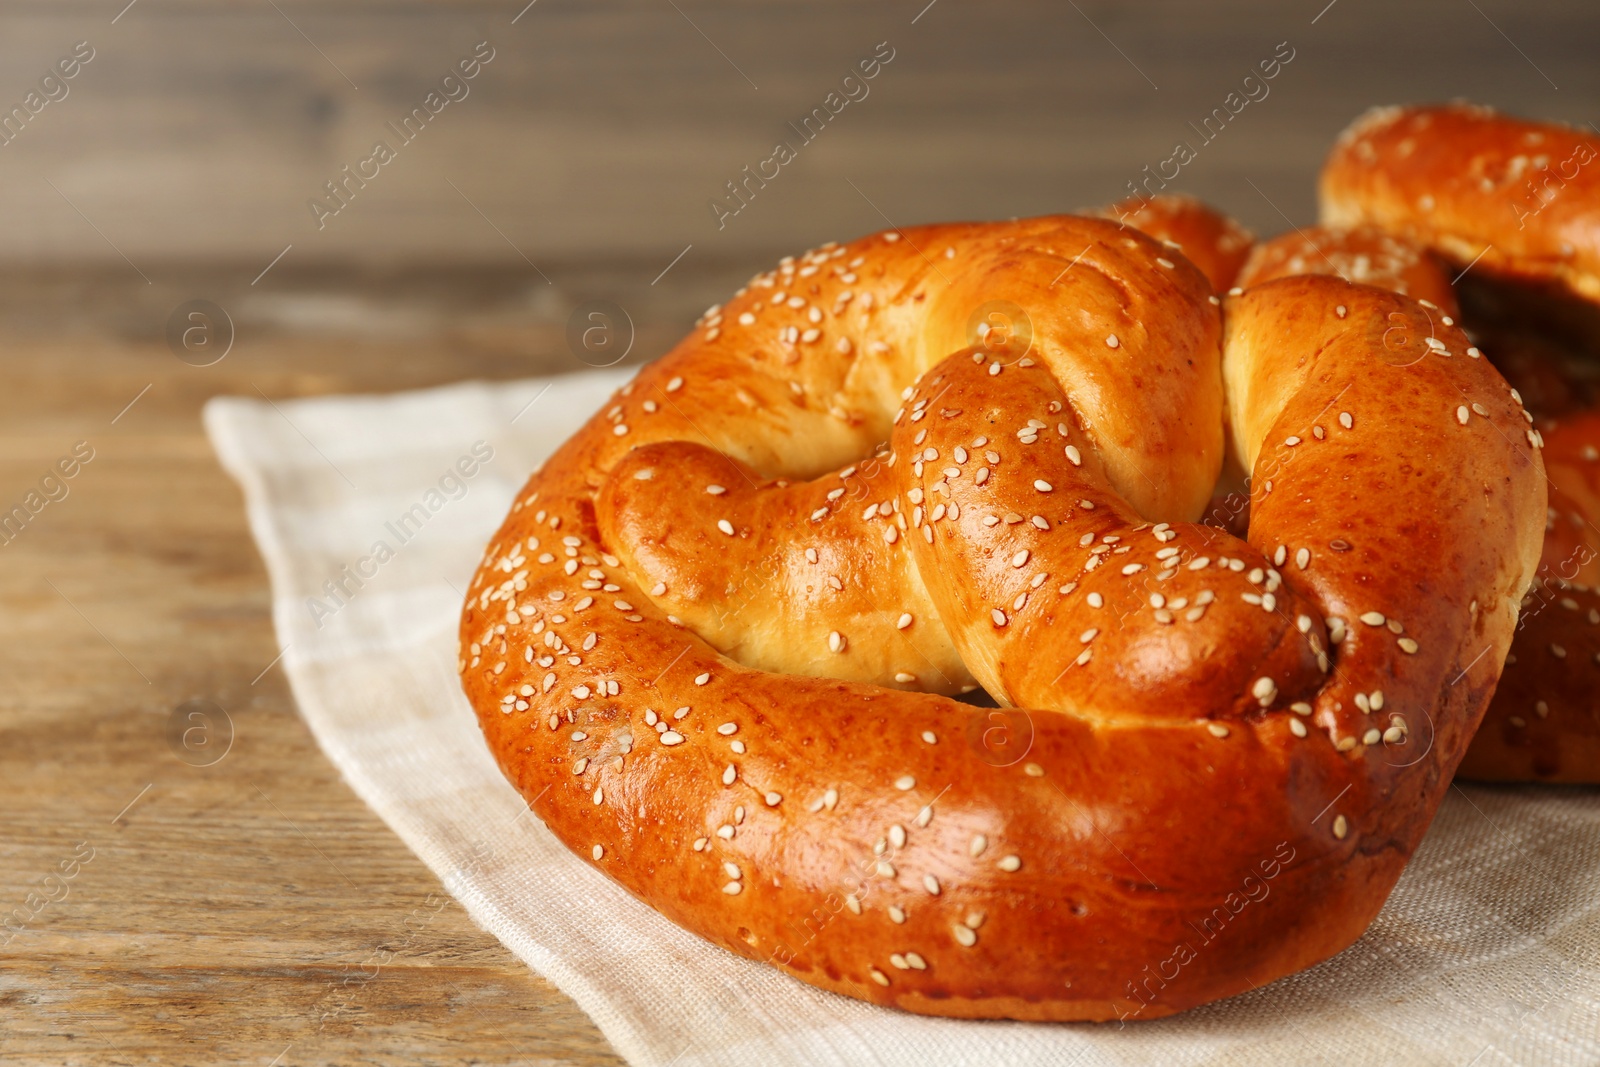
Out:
{"x": 372, "y": 512}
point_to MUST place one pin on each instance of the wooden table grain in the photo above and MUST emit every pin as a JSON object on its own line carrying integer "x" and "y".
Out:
{"x": 249, "y": 909}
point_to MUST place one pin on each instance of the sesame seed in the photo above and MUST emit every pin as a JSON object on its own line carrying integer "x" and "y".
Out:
{"x": 725, "y": 526}
{"x": 897, "y": 914}
{"x": 1217, "y": 729}
{"x": 836, "y": 641}
{"x": 930, "y": 737}
{"x": 733, "y": 888}
{"x": 1010, "y": 864}
{"x": 1297, "y": 727}
{"x": 878, "y": 976}
{"x": 1111, "y": 341}
{"x": 904, "y": 621}
{"x": 1074, "y": 455}
{"x": 905, "y": 782}
{"x": 702, "y": 679}
{"x": 965, "y": 937}
{"x": 1341, "y": 826}
{"x": 1042, "y": 485}
{"x": 730, "y": 775}
{"x": 598, "y": 852}
{"x": 1408, "y": 646}
{"x": 931, "y": 884}
{"x": 1346, "y": 420}
{"x": 715, "y": 490}
{"x": 1033, "y": 770}
{"x": 773, "y": 799}
{"x": 1463, "y": 415}
{"x": 671, "y": 737}
{"x": 998, "y": 616}
{"x": 979, "y": 843}
{"x": 1020, "y": 558}
{"x": 1373, "y": 618}
{"x": 728, "y": 728}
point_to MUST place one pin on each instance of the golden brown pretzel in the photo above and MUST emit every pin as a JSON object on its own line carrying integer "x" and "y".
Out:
{"x": 1234, "y": 746}
{"x": 1364, "y": 255}
{"x": 1518, "y": 201}
{"x": 1464, "y": 180}
{"x": 1212, "y": 241}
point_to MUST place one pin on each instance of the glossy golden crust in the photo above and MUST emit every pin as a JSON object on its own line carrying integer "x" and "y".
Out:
{"x": 1212, "y": 241}
{"x": 1180, "y": 825}
{"x": 1518, "y": 200}
{"x": 1463, "y": 180}
{"x": 1364, "y": 255}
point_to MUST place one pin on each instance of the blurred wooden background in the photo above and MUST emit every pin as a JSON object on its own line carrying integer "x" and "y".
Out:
{"x": 601, "y": 129}
{"x": 227, "y": 902}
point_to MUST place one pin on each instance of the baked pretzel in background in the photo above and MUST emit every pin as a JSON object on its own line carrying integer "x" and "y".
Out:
{"x": 1211, "y": 240}
{"x": 714, "y": 641}
{"x": 1513, "y": 209}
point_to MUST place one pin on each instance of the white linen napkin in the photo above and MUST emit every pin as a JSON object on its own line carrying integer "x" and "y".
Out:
{"x": 1487, "y": 953}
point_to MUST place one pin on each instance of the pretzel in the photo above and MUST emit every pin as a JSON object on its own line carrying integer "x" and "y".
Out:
{"x": 1212, "y": 241}
{"x": 1517, "y": 201}
{"x": 714, "y": 642}
{"x": 1365, "y": 255}
{"x": 1519, "y": 204}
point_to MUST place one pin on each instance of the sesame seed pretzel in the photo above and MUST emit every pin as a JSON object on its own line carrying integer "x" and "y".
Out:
{"x": 1365, "y": 255}
{"x": 1212, "y": 241}
{"x": 714, "y": 643}
{"x": 1514, "y": 206}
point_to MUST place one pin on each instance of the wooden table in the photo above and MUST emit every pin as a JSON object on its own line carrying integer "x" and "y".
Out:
{"x": 213, "y": 914}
